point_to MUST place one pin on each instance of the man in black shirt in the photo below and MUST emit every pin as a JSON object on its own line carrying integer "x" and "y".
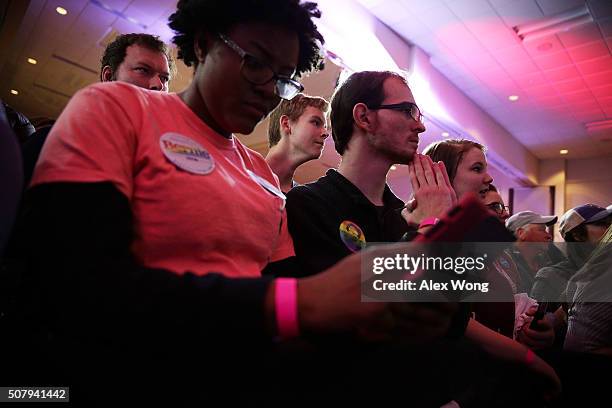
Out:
{"x": 375, "y": 123}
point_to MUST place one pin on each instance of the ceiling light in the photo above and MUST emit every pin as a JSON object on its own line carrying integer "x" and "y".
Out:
{"x": 513, "y": 98}
{"x": 61, "y": 10}
{"x": 14, "y": 92}
{"x": 32, "y": 61}
{"x": 554, "y": 24}
{"x": 394, "y": 167}
{"x": 445, "y": 134}
{"x": 564, "y": 151}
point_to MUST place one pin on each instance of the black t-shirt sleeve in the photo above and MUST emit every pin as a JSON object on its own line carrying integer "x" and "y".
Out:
{"x": 314, "y": 229}
{"x": 82, "y": 278}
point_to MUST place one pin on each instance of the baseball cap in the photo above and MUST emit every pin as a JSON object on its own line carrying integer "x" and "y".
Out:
{"x": 583, "y": 214}
{"x": 523, "y": 218}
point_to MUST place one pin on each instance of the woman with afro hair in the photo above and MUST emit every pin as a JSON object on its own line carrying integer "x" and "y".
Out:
{"x": 148, "y": 224}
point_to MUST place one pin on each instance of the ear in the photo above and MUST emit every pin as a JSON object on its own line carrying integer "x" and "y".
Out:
{"x": 519, "y": 232}
{"x": 107, "y": 74}
{"x": 201, "y": 45}
{"x": 285, "y": 125}
{"x": 362, "y": 117}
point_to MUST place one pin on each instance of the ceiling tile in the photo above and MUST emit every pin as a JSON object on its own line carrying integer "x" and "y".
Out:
{"x": 118, "y": 5}
{"x": 480, "y": 92}
{"x": 586, "y": 33}
{"x": 546, "y": 101}
{"x": 601, "y": 8}
{"x": 162, "y": 30}
{"x": 589, "y": 116}
{"x": 460, "y": 40}
{"x": 543, "y": 46}
{"x": 144, "y": 11}
{"x": 596, "y": 80}
{"x": 52, "y": 20}
{"x": 573, "y": 85}
{"x": 510, "y": 55}
{"x": 92, "y": 57}
{"x": 559, "y": 74}
{"x": 473, "y": 10}
{"x": 602, "y": 91}
{"x": 496, "y": 40}
{"x": 595, "y": 65}
{"x": 418, "y": 6}
{"x": 606, "y": 27}
{"x": 541, "y": 91}
{"x": 605, "y": 101}
{"x": 550, "y": 7}
{"x": 392, "y": 12}
{"x": 585, "y": 104}
{"x": 530, "y": 80}
{"x": 491, "y": 76}
{"x": 560, "y": 111}
{"x": 429, "y": 43}
{"x": 467, "y": 83}
{"x": 91, "y": 25}
{"x": 518, "y": 12}
{"x": 608, "y": 112}
{"x": 552, "y": 61}
{"x": 125, "y": 26}
{"x": 504, "y": 87}
{"x": 370, "y": 3}
{"x": 69, "y": 51}
{"x": 481, "y": 62}
{"x": 439, "y": 19}
{"x": 589, "y": 51}
{"x": 411, "y": 28}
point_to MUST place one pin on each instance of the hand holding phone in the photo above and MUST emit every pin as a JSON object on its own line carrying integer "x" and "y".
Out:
{"x": 536, "y": 323}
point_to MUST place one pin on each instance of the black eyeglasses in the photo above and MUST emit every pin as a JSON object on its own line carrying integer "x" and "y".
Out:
{"x": 259, "y": 73}
{"x": 499, "y": 208}
{"x": 408, "y": 108}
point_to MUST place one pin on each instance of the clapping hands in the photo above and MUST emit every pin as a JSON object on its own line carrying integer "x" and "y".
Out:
{"x": 433, "y": 192}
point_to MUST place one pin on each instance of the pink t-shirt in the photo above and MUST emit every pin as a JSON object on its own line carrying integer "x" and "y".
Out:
{"x": 201, "y": 202}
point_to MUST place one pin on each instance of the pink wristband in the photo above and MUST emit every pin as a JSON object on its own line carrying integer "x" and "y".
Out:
{"x": 285, "y": 301}
{"x": 529, "y": 357}
{"x": 428, "y": 221}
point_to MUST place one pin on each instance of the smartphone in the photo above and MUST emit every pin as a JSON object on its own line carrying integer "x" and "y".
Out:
{"x": 536, "y": 323}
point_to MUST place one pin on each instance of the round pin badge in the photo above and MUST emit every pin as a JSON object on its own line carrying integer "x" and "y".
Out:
{"x": 504, "y": 263}
{"x": 352, "y": 236}
{"x": 186, "y": 154}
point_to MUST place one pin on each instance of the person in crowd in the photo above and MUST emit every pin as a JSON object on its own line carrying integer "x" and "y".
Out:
{"x": 588, "y": 292}
{"x": 148, "y": 225}
{"x": 584, "y": 225}
{"x": 587, "y": 349}
{"x": 376, "y": 123}
{"x": 297, "y": 133}
{"x": 494, "y": 201}
{"x": 505, "y": 265}
{"x": 19, "y": 123}
{"x": 467, "y": 165}
{"x": 528, "y": 226}
{"x": 138, "y": 59}
{"x": 533, "y": 239}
